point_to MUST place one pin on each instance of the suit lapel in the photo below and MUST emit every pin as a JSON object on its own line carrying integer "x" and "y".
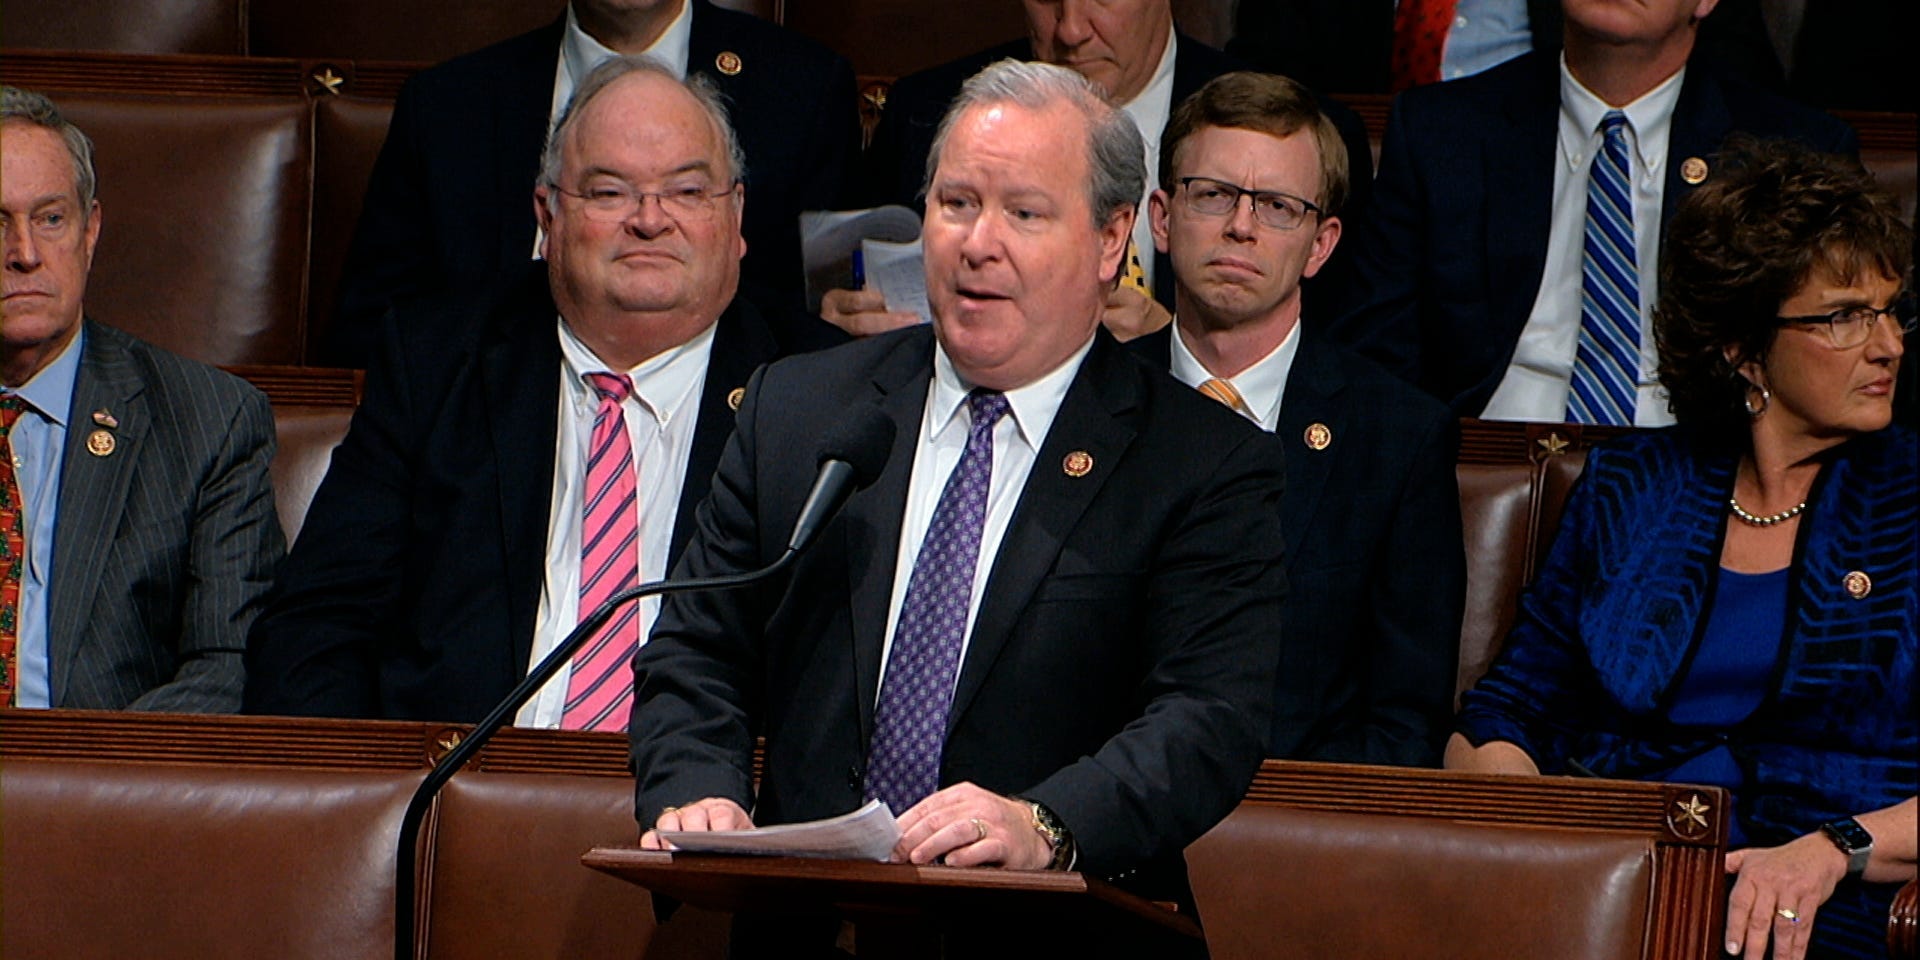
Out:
{"x": 1700, "y": 121}
{"x": 1091, "y": 420}
{"x": 1518, "y": 198}
{"x": 523, "y": 96}
{"x": 741, "y": 343}
{"x": 519, "y": 367}
{"x": 1311, "y": 397}
{"x": 93, "y": 491}
{"x": 873, "y": 517}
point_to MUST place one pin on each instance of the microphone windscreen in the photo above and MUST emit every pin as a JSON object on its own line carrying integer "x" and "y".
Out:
{"x": 861, "y": 441}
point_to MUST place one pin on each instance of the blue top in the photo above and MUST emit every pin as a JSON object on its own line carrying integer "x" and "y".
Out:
{"x": 39, "y": 443}
{"x": 1604, "y": 647}
{"x": 1730, "y": 674}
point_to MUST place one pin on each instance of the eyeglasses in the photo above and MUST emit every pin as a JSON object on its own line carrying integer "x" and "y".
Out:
{"x": 1218, "y": 198}
{"x": 617, "y": 202}
{"x": 1849, "y": 327}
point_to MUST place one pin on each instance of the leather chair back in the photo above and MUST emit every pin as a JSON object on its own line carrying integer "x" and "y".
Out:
{"x": 129, "y": 26}
{"x": 203, "y": 245}
{"x": 425, "y": 31}
{"x": 348, "y": 133}
{"x": 1272, "y": 883}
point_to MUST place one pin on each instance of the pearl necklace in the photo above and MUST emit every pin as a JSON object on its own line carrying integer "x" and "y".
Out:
{"x": 1766, "y": 521}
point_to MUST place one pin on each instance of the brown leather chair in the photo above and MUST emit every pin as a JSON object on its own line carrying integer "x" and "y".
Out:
{"x": 425, "y": 31}
{"x": 203, "y": 246}
{"x": 130, "y": 26}
{"x": 1330, "y": 862}
{"x": 348, "y": 132}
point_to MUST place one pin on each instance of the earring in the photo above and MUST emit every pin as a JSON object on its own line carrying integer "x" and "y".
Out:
{"x": 1766, "y": 397}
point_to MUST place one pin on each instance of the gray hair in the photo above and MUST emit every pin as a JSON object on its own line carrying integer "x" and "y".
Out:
{"x": 1116, "y": 155}
{"x": 603, "y": 76}
{"x": 29, "y": 107}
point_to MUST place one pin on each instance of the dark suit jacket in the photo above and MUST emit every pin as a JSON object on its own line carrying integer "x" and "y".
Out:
{"x": 1122, "y": 662}
{"x": 450, "y": 203}
{"x": 164, "y": 547}
{"x": 1375, "y": 567}
{"x": 1449, "y": 258}
{"x": 1345, "y": 46}
{"x": 413, "y": 589}
{"x": 896, "y": 160}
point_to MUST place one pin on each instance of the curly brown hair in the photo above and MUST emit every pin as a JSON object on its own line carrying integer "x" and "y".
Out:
{"x": 1776, "y": 216}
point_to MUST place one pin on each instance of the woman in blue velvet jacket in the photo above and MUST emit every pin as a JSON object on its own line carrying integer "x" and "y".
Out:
{"x": 1736, "y": 600}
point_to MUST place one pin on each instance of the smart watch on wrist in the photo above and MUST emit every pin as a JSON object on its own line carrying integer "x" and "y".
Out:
{"x": 1853, "y": 840}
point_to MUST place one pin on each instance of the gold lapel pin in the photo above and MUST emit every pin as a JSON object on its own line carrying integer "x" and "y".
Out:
{"x": 729, "y": 63}
{"x": 1693, "y": 170}
{"x": 734, "y": 397}
{"x": 1077, "y": 464}
{"x": 105, "y": 419}
{"x": 1858, "y": 584}
{"x": 100, "y": 443}
{"x": 1319, "y": 436}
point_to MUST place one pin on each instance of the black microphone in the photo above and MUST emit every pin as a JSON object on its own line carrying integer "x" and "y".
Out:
{"x": 851, "y": 457}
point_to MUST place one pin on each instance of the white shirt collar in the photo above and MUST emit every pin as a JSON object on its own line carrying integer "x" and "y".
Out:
{"x": 1032, "y": 406}
{"x": 580, "y": 53}
{"x": 1261, "y": 385}
{"x": 1649, "y": 119}
{"x": 662, "y": 383}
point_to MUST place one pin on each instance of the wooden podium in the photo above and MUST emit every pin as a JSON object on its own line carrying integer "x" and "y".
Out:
{"x": 900, "y": 910}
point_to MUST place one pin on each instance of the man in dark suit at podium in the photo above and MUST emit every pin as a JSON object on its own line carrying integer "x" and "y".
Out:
{"x": 1045, "y": 636}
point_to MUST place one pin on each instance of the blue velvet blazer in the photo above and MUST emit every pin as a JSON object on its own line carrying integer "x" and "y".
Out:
{"x": 1611, "y": 624}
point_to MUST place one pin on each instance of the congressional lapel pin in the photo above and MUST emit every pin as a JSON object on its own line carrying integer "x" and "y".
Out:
{"x": 1858, "y": 584}
{"x": 100, "y": 443}
{"x": 1693, "y": 170}
{"x": 1319, "y": 436}
{"x": 729, "y": 63}
{"x": 105, "y": 419}
{"x": 1077, "y": 464}
{"x": 734, "y": 397}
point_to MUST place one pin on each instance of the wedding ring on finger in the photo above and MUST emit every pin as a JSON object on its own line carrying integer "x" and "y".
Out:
{"x": 1787, "y": 914}
{"x": 979, "y": 828}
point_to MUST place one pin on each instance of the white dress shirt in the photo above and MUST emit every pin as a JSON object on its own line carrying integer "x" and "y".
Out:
{"x": 1149, "y": 112}
{"x": 944, "y": 427}
{"x": 1540, "y": 376}
{"x": 661, "y": 413}
{"x": 1261, "y": 385}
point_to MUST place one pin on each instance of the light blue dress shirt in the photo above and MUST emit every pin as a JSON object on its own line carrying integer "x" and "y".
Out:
{"x": 1484, "y": 33}
{"x": 39, "y": 441}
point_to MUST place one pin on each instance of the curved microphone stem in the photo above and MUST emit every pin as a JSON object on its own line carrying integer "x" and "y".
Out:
{"x": 410, "y": 822}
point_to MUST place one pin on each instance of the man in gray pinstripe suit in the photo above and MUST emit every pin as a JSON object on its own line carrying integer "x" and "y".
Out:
{"x": 142, "y": 501}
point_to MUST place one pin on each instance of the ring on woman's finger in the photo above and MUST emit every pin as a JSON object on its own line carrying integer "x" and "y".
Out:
{"x": 1787, "y": 914}
{"x": 979, "y": 827}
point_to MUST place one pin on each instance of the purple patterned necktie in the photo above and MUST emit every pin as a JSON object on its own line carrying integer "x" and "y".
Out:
{"x": 910, "y": 723}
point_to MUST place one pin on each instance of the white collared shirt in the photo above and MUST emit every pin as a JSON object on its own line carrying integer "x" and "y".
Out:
{"x": 1540, "y": 376}
{"x": 944, "y": 426}
{"x": 1261, "y": 385}
{"x": 1149, "y": 112}
{"x": 661, "y": 414}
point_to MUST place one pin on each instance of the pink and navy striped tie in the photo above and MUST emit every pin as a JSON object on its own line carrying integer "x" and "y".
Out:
{"x": 1606, "y": 370}
{"x": 600, "y": 684}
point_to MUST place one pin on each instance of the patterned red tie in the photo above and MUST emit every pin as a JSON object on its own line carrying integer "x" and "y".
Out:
{"x": 600, "y": 683}
{"x": 1419, "y": 38}
{"x": 13, "y": 548}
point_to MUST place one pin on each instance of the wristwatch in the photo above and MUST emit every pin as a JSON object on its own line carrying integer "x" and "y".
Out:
{"x": 1055, "y": 833}
{"x": 1853, "y": 840}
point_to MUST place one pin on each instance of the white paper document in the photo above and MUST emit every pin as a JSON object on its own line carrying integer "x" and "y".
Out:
{"x": 899, "y": 272}
{"x": 868, "y": 833}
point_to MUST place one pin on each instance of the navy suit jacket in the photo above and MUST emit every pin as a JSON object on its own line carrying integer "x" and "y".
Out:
{"x": 1448, "y": 259}
{"x": 413, "y": 588}
{"x": 896, "y": 160}
{"x": 1375, "y": 567}
{"x": 450, "y": 204}
{"x": 165, "y": 546}
{"x": 1123, "y": 656}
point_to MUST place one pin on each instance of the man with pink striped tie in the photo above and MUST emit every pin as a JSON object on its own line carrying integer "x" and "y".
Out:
{"x": 504, "y": 478}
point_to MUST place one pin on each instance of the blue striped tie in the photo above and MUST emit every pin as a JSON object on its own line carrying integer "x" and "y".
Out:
{"x": 1606, "y": 371}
